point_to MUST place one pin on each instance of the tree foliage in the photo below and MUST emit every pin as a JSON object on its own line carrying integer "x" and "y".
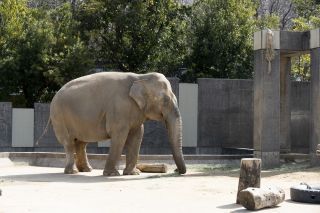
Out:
{"x": 308, "y": 17}
{"x": 39, "y": 51}
{"x": 129, "y": 35}
{"x": 221, "y": 33}
{"x": 45, "y": 43}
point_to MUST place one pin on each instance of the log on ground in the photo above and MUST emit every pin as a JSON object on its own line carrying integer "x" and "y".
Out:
{"x": 258, "y": 198}
{"x": 153, "y": 168}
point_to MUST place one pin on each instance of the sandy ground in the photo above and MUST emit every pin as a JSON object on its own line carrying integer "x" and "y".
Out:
{"x": 205, "y": 188}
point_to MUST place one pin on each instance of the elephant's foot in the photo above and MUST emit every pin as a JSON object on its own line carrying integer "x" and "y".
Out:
{"x": 71, "y": 170}
{"x": 134, "y": 171}
{"x": 111, "y": 173}
{"x": 86, "y": 168}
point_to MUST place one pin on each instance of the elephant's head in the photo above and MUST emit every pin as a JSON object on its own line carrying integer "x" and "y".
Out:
{"x": 154, "y": 96}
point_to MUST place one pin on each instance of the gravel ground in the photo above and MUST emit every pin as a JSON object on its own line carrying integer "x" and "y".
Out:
{"x": 205, "y": 188}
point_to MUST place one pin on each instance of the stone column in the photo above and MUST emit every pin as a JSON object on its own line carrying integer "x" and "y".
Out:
{"x": 285, "y": 110}
{"x": 266, "y": 130}
{"x": 315, "y": 95}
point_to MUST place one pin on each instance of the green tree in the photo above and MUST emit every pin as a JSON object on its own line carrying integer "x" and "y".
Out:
{"x": 136, "y": 36}
{"x": 221, "y": 39}
{"x": 37, "y": 52}
{"x": 24, "y": 51}
{"x": 70, "y": 57}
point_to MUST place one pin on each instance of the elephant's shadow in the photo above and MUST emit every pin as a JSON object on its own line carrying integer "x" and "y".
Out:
{"x": 81, "y": 177}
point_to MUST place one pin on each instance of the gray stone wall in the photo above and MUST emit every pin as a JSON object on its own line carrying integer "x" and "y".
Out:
{"x": 48, "y": 141}
{"x": 225, "y": 114}
{"x": 5, "y": 126}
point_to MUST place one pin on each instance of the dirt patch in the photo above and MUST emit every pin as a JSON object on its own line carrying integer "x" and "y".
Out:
{"x": 205, "y": 188}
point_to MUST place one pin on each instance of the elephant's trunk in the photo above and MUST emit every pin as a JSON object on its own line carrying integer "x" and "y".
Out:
{"x": 174, "y": 126}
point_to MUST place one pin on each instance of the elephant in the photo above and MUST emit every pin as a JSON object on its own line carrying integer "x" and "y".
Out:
{"x": 114, "y": 105}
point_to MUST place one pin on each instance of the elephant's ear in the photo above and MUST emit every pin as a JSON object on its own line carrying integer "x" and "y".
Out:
{"x": 138, "y": 93}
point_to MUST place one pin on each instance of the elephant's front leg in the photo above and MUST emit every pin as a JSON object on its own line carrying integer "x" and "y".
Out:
{"x": 133, "y": 144}
{"x": 118, "y": 141}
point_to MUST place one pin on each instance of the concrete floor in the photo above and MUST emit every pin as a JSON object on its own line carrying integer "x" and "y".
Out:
{"x": 203, "y": 189}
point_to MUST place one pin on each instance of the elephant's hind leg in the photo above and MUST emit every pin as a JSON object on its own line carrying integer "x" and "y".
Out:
{"x": 133, "y": 144}
{"x": 68, "y": 144}
{"x": 81, "y": 157}
{"x": 70, "y": 166}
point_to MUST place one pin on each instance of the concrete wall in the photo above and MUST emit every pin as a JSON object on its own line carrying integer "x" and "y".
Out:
{"x": 300, "y": 117}
{"x": 225, "y": 114}
{"x": 48, "y": 141}
{"x": 217, "y": 114}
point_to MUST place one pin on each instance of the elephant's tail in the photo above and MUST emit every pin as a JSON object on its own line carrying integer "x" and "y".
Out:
{"x": 44, "y": 131}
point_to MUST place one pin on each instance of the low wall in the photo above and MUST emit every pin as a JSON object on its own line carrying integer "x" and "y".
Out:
{"x": 98, "y": 161}
{"x": 217, "y": 117}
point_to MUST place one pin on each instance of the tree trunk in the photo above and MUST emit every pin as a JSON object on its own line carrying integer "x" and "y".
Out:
{"x": 250, "y": 170}
{"x": 318, "y": 150}
{"x": 258, "y": 198}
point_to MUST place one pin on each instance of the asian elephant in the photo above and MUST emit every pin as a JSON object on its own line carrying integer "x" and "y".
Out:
{"x": 114, "y": 105}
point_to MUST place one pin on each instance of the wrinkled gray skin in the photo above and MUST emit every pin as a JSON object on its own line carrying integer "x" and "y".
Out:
{"x": 114, "y": 105}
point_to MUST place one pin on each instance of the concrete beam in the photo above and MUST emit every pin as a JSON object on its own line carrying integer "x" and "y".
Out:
{"x": 286, "y": 41}
{"x": 260, "y": 39}
{"x": 294, "y": 41}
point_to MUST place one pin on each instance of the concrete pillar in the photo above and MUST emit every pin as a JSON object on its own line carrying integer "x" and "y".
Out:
{"x": 315, "y": 95}
{"x": 266, "y": 139}
{"x": 285, "y": 110}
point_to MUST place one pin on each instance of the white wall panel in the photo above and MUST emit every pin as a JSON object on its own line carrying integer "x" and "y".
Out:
{"x": 188, "y": 105}
{"x": 22, "y": 127}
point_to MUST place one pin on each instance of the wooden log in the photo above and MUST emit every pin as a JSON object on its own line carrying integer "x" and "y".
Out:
{"x": 258, "y": 198}
{"x": 153, "y": 168}
{"x": 250, "y": 169}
